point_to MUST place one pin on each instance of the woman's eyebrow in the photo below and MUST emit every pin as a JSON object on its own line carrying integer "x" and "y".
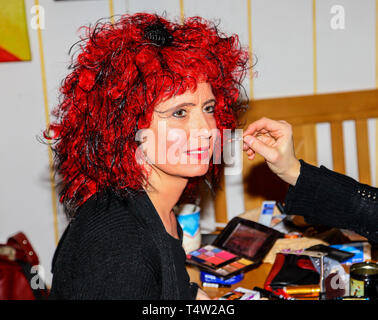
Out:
{"x": 184, "y": 104}
{"x": 208, "y": 101}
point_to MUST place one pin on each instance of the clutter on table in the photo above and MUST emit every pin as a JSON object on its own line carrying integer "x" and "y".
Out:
{"x": 303, "y": 267}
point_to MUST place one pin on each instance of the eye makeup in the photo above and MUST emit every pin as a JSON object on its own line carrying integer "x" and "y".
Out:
{"x": 234, "y": 267}
{"x": 212, "y": 256}
{"x": 183, "y": 105}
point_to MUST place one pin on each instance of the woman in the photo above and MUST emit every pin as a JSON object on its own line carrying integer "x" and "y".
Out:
{"x": 321, "y": 195}
{"x": 136, "y": 132}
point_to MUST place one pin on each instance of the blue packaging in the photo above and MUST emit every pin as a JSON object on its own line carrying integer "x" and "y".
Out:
{"x": 210, "y": 278}
{"x": 356, "y": 248}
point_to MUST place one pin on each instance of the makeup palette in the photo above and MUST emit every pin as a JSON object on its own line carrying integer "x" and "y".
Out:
{"x": 212, "y": 256}
{"x": 240, "y": 247}
{"x": 221, "y": 261}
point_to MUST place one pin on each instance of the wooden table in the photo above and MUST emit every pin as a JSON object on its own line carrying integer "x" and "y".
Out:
{"x": 252, "y": 278}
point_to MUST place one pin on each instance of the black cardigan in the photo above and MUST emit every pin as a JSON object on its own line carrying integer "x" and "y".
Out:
{"x": 116, "y": 249}
{"x": 325, "y": 197}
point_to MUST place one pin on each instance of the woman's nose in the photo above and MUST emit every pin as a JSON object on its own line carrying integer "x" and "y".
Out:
{"x": 202, "y": 126}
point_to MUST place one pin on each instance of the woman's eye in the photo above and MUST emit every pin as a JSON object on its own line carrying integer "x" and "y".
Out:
{"x": 209, "y": 109}
{"x": 179, "y": 113}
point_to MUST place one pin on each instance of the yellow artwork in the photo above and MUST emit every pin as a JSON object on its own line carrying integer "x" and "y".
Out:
{"x": 14, "y": 39}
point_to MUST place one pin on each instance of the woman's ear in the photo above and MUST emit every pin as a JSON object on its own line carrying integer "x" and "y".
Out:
{"x": 140, "y": 157}
{"x": 146, "y": 145}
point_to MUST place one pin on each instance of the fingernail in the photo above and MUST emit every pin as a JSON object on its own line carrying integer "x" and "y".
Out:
{"x": 248, "y": 140}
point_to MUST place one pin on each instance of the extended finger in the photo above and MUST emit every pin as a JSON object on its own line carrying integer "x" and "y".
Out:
{"x": 266, "y": 124}
{"x": 260, "y": 147}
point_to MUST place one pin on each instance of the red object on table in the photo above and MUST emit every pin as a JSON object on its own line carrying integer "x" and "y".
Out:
{"x": 17, "y": 257}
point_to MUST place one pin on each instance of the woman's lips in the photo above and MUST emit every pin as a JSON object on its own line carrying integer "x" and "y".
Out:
{"x": 200, "y": 153}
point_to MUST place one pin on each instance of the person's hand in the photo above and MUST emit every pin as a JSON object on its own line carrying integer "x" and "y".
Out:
{"x": 274, "y": 141}
{"x": 202, "y": 295}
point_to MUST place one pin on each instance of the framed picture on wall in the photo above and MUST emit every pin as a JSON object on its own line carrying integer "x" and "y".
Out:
{"x": 14, "y": 38}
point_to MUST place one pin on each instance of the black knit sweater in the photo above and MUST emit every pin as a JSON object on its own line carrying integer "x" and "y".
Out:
{"x": 119, "y": 249}
{"x": 325, "y": 197}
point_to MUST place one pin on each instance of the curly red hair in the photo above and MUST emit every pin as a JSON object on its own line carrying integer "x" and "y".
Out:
{"x": 117, "y": 78}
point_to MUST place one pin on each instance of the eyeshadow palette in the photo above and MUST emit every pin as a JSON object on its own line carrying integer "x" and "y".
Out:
{"x": 212, "y": 256}
{"x": 240, "y": 247}
{"x": 222, "y": 262}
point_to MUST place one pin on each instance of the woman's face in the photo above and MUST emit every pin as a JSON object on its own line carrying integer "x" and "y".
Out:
{"x": 180, "y": 140}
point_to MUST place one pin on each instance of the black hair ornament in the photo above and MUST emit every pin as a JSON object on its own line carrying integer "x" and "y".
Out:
{"x": 158, "y": 34}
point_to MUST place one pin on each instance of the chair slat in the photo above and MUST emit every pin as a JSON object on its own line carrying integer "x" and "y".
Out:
{"x": 220, "y": 203}
{"x": 376, "y": 152}
{"x": 338, "y": 147}
{"x": 309, "y": 138}
{"x": 251, "y": 200}
{"x": 298, "y": 142}
{"x": 362, "y": 138}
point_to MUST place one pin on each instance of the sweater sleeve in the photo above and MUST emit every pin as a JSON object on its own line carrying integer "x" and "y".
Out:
{"x": 193, "y": 287}
{"x": 326, "y": 197}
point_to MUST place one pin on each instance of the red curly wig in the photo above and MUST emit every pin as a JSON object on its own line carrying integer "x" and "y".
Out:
{"x": 121, "y": 72}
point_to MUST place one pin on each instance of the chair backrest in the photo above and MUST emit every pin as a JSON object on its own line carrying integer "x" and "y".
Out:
{"x": 303, "y": 113}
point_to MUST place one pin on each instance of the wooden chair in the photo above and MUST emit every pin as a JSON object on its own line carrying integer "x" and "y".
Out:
{"x": 303, "y": 113}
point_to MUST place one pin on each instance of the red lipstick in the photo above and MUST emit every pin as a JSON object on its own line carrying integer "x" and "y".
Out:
{"x": 199, "y": 153}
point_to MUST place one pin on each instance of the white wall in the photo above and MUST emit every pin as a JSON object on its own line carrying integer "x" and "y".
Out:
{"x": 282, "y": 41}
